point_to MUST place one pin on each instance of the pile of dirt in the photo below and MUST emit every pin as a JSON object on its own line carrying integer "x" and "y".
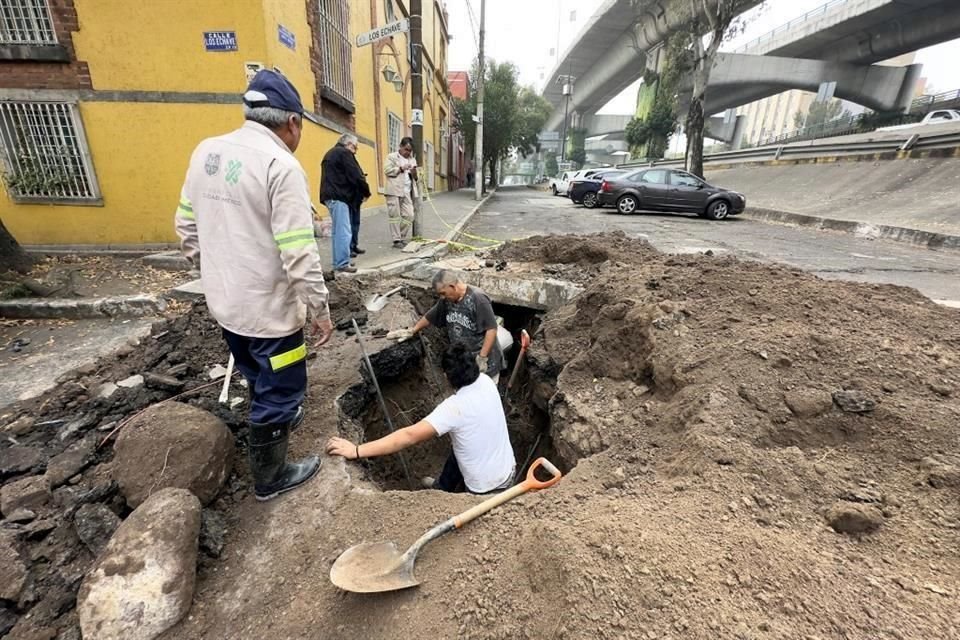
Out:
{"x": 752, "y": 453}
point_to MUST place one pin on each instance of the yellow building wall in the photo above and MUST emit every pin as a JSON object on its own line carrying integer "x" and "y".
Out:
{"x": 140, "y": 150}
{"x": 140, "y": 165}
{"x": 158, "y": 45}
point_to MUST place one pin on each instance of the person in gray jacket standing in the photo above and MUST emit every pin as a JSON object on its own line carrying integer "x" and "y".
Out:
{"x": 400, "y": 169}
{"x": 244, "y": 219}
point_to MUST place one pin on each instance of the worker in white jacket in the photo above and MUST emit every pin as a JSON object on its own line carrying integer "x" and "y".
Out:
{"x": 245, "y": 220}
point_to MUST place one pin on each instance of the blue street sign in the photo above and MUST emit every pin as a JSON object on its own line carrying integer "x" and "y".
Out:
{"x": 286, "y": 37}
{"x": 220, "y": 40}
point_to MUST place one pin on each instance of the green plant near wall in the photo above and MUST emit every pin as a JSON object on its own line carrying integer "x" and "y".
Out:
{"x": 550, "y": 165}
{"x": 577, "y": 146}
{"x": 35, "y": 177}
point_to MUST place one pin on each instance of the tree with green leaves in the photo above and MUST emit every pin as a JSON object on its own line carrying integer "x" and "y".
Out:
{"x": 819, "y": 113}
{"x": 704, "y": 25}
{"x": 551, "y": 168}
{"x": 513, "y": 116}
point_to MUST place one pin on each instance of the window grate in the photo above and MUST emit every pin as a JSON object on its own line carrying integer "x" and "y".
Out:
{"x": 394, "y": 132}
{"x": 26, "y": 22}
{"x": 45, "y": 153}
{"x": 336, "y": 48}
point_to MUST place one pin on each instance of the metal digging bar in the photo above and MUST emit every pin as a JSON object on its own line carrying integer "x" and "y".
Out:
{"x": 383, "y": 404}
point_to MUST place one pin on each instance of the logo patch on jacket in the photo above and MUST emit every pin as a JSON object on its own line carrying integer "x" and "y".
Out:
{"x": 234, "y": 167}
{"x": 212, "y": 165}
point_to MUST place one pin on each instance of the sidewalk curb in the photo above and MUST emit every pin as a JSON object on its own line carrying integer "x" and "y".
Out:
{"x": 916, "y": 237}
{"x": 454, "y": 234}
{"x": 75, "y": 309}
{"x": 438, "y": 251}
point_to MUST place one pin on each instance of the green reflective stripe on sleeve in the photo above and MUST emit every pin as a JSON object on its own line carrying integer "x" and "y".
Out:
{"x": 283, "y": 360}
{"x": 185, "y": 204}
{"x": 296, "y": 244}
{"x": 186, "y": 213}
{"x": 280, "y": 237}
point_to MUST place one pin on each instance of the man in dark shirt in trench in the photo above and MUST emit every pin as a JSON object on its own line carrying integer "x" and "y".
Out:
{"x": 467, "y": 314}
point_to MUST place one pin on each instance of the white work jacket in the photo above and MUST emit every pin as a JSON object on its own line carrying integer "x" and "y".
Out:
{"x": 244, "y": 218}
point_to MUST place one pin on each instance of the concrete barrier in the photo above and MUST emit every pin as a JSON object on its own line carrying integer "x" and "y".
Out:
{"x": 79, "y": 308}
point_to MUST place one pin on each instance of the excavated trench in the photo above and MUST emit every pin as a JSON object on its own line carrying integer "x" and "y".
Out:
{"x": 413, "y": 384}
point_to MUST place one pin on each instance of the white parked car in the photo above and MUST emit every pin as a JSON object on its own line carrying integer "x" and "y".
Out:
{"x": 940, "y": 116}
{"x": 560, "y": 186}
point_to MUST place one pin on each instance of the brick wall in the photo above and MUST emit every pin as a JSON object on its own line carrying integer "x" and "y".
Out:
{"x": 27, "y": 74}
{"x": 325, "y": 108}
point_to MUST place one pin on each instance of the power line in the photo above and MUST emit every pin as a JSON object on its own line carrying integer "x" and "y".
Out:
{"x": 473, "y": 26}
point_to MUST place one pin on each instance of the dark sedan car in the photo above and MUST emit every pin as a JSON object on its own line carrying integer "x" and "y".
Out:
{"x": 585, "y": 191}
{"x": 669, "y": 190}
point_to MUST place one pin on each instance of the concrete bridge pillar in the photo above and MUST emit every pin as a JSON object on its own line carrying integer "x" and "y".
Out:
{"x": 738, "y": 79}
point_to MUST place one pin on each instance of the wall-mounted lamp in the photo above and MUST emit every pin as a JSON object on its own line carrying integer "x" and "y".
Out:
{"x": 398, "y": 85}
{"x": 390, "y": 75}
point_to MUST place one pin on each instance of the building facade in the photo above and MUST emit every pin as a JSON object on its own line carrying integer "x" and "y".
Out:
{"x": 101, "y": 103}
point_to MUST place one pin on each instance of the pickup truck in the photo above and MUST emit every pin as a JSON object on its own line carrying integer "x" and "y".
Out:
{"x": 940, "y": 116}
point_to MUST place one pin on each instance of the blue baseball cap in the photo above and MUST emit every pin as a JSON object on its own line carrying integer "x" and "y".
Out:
{"x": 270, "y": 89}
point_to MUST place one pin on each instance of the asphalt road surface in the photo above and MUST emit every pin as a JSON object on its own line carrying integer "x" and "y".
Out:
{"x": 519, "y": 212}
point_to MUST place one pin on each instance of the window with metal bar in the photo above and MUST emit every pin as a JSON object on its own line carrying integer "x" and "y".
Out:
{"x": 394, "y": 131}
{"x": 45, "y": 154}
{"x": 26, "y": 22}
{"x": 334, "y": 27}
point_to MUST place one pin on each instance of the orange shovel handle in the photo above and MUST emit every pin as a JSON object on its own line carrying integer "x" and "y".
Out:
{"x": 530, "y": 484}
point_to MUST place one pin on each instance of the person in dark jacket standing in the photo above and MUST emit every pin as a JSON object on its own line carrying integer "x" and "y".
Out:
{"x": 355, "y": 249}
{"x": 341, "y": 184}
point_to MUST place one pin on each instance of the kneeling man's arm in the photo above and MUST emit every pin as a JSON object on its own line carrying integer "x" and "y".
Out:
{"x": 396, "y": 441}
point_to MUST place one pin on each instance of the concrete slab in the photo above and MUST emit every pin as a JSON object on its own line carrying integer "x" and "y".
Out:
{"x": 56, "y": 348}
{"x": 192, "y": 290}
{"x": 75, "y": 308}
{"x": 535, "y": 293}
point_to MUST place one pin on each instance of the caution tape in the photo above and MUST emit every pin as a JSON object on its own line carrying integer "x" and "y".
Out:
{"x": 494, "y": 242}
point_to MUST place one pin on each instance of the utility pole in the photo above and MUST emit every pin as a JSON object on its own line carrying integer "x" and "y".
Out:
{"x": 478, "y": 139}
{"x": 416, "y": 103}
{"x": 567, "y": 92}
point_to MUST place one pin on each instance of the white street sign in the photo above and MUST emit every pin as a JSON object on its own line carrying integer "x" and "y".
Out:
{"x": 400, "y": 26}
{"x": 416, "y": 117}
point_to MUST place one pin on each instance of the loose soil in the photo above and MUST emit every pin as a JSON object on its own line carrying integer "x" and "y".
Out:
{"x": 92, "y": 276}
{"x": 695, "y": 404}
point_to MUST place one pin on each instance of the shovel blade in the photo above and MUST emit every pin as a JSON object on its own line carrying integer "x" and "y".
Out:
{"x": 373, "y": 567}
{"x": 376, "y": 302}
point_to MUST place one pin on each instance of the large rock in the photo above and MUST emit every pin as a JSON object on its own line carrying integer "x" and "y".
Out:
{"x": 95, "y": 523}
{"x": 142, "y": 583}
{"x": 13, "y": 571}
{"x": 940, "y": 474}
{"x": 808, "y": 403}
{"x": 854, "y": 401}
{"x": 854, "y": 518}
{"x": 173, "y": 445}
{"x": 14, "y": 460}
{"x": 26, "y": 493}
{"x": 75, "y": 459}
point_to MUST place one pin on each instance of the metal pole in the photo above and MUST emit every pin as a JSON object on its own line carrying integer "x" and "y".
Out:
{"x": 478, "y": 143}
{"x": 563, "y": 143}
{"x": 416, "y": 103}
{"x": 383, "y": 404}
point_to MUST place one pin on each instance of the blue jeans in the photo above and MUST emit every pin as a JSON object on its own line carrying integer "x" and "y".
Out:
{"x": 342, "y": 233}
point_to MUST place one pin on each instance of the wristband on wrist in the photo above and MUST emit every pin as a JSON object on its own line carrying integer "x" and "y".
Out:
{"x": 358, "y": 452}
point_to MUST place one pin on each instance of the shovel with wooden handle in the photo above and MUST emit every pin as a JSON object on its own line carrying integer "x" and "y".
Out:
{"x": 372, "y": 567}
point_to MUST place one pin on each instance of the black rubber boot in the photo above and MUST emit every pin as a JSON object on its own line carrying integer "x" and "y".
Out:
{"x": 272, "y": 474}
{"x": 297, "y": 419}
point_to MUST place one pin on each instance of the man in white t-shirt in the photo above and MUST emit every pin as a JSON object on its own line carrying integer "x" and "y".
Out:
{"x": 482, "y": 460}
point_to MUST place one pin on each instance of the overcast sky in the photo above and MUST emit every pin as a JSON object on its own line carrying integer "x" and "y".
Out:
{"x": 525, "y": 31}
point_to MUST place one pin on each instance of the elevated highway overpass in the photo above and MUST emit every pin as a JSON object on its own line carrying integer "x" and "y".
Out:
{"x": 609, "y": 53}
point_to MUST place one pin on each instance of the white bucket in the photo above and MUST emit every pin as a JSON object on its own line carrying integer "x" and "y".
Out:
{"x": 504, "y": 339}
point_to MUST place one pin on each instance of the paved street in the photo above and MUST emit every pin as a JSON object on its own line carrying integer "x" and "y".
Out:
{"x": 517, "y": 212}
